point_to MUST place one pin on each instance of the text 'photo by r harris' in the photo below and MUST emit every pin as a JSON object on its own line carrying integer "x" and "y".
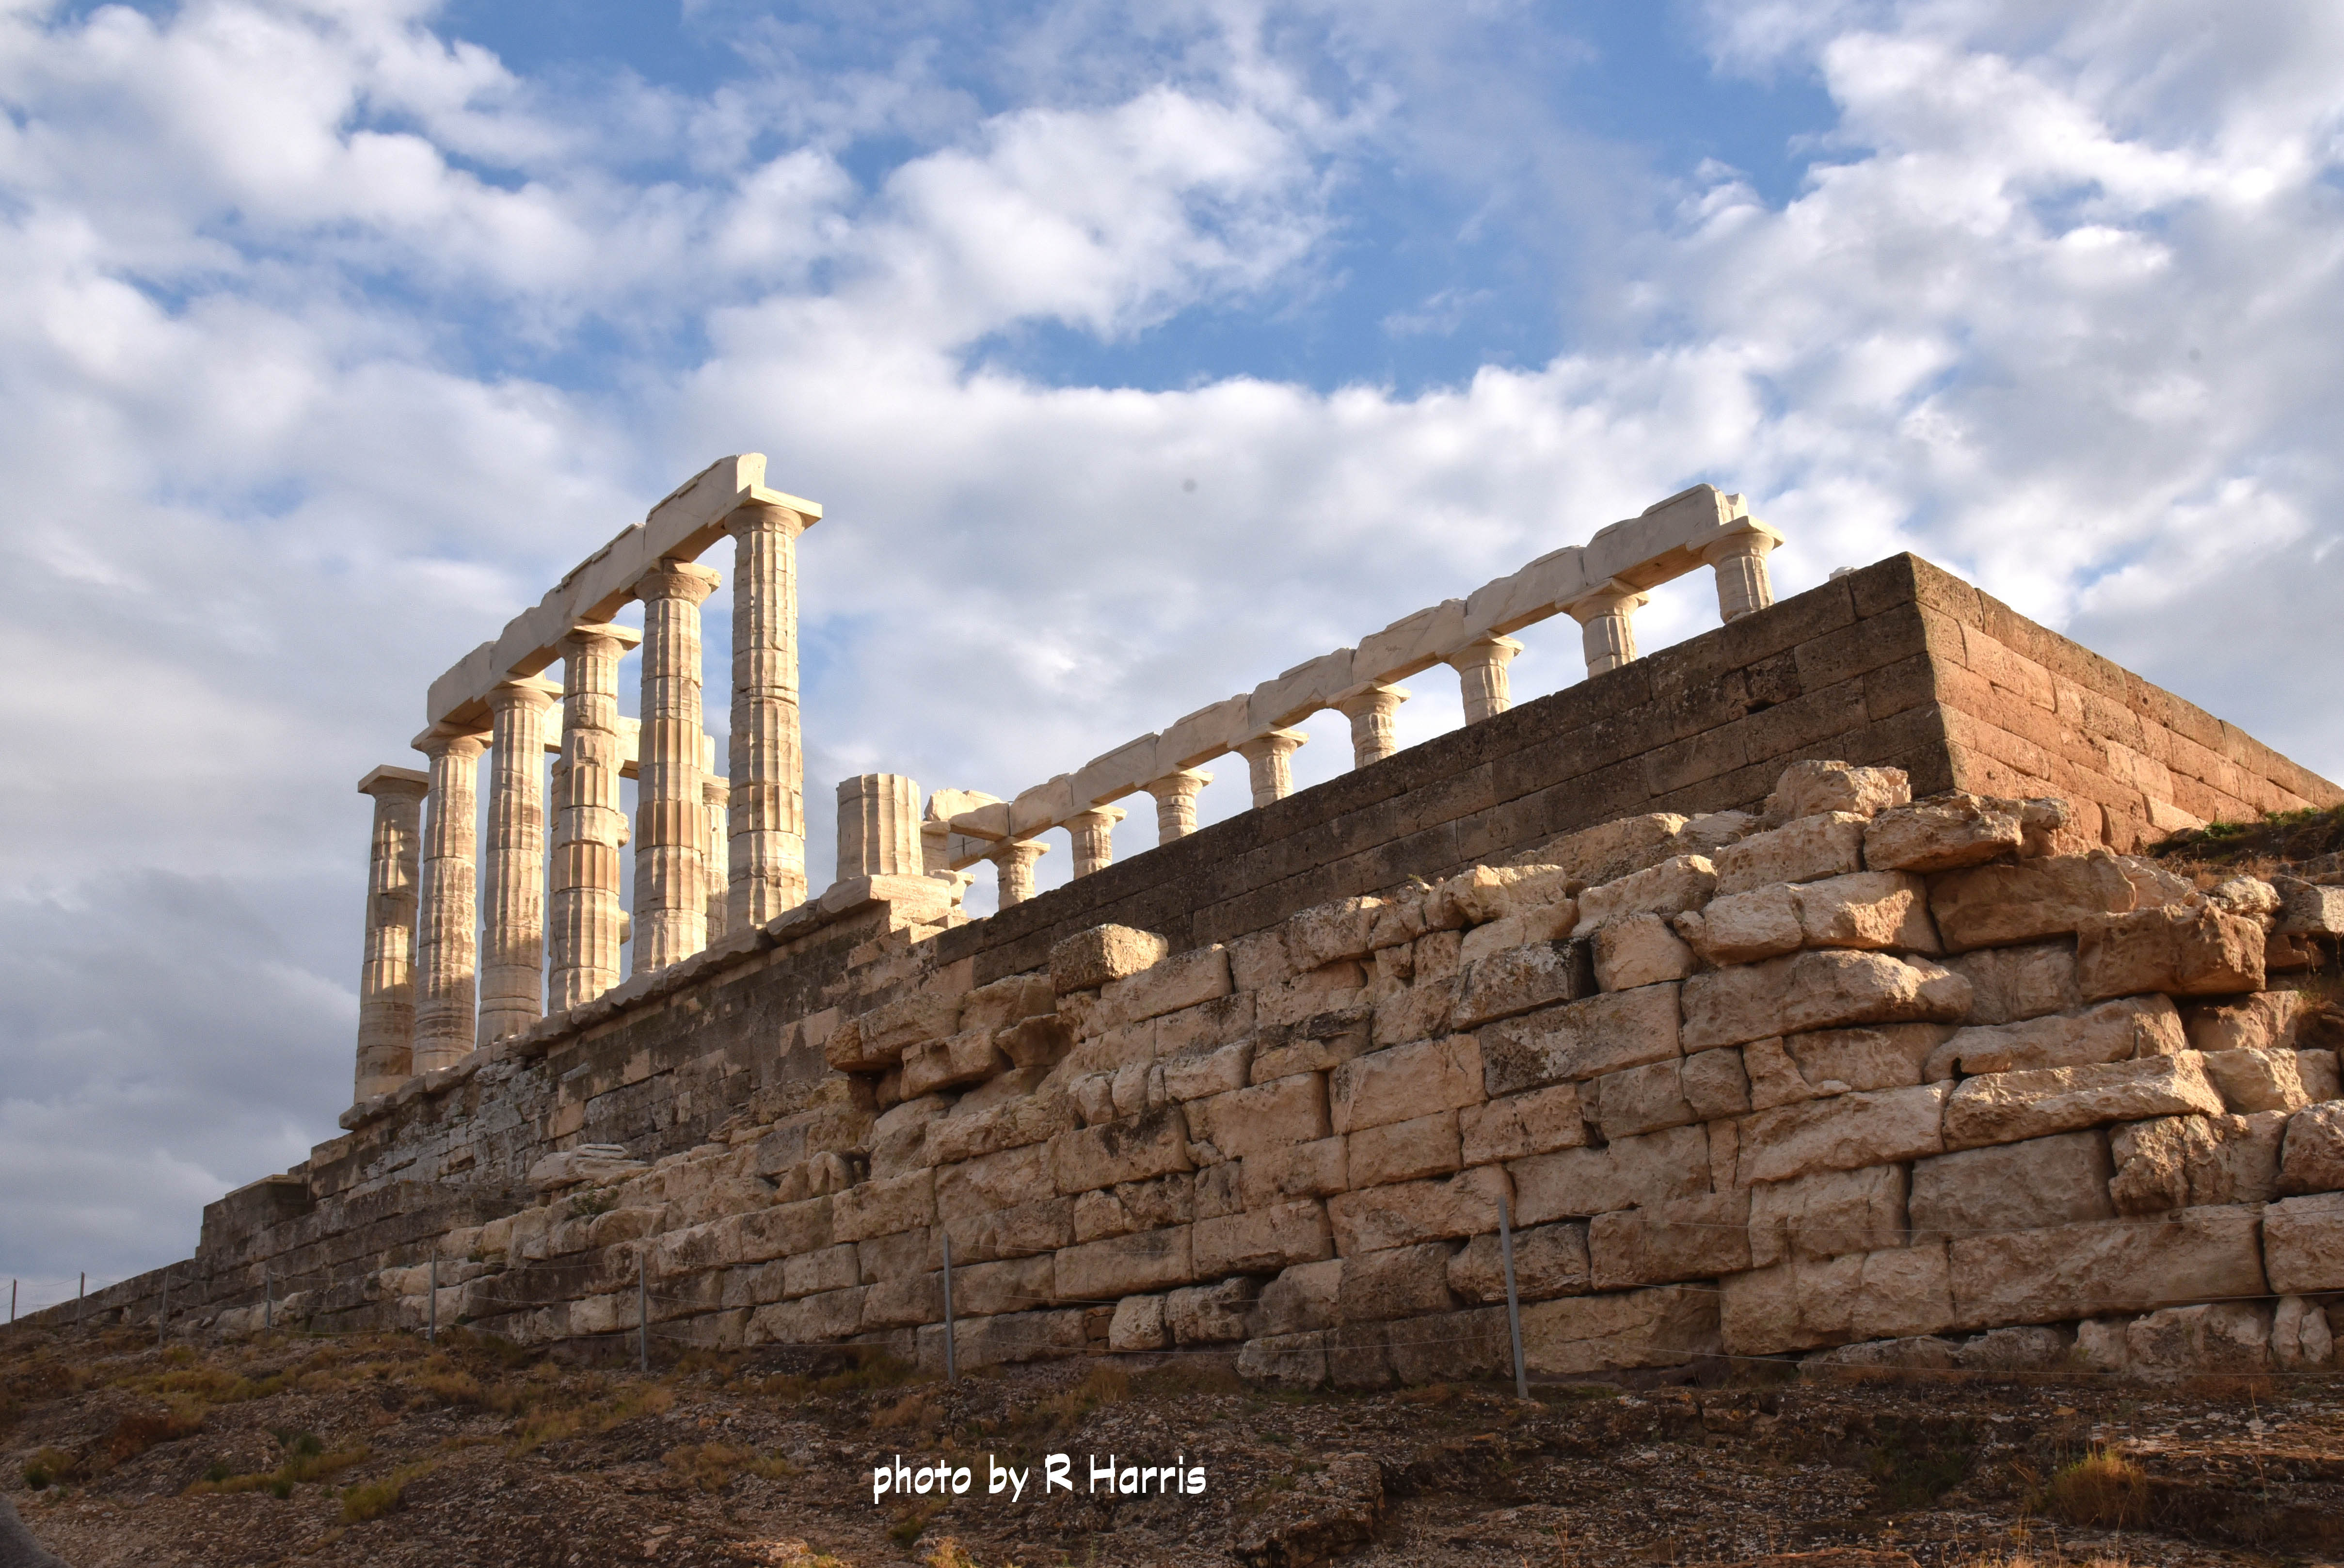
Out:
{"x": 1102, "y": 1477}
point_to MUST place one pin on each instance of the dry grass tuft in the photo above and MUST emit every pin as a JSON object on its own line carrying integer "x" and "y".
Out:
{"x": 712, "y": 1466}
{"x": 2102, "y": 1489}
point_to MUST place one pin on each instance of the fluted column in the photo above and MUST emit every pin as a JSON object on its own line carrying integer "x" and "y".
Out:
{"x": 583, "y": 917}
{"x": 715, "y": 794}
{"x": 1176, "y": 803}
{"x": 1014, "y": 862}
{"x": 1269, "y": 759}
{"x": 879, "y": 827}
{"x": 671, "y": 835}
{"x": 386, "y": 1054}
{"x": 765, "y": 859}
{"x": 447, "y": 943}
{"x": 512, "y": 903}
{"x": 1093, "y": 836}
{"x": 1606, "y": 631}
{"x": 1371, "y": 709}
{"x": 1481, "y": 669}
{"x": 1740, "y": 562}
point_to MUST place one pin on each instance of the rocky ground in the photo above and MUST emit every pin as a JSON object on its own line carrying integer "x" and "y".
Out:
{"x": 387, "y": 1450}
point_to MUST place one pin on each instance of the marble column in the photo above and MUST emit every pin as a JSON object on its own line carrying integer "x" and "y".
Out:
{"x": 716, "y": 794}
{"x": 446, "y": 941}
{"x": 1014, "y": 862}
{"x": 387, "y": 981}
{"x": 1093, "y": 836}
{"x": 1176, "y": 803}
{"x": 1740, "y": 562}
{"x": 1606, "y": 631}
{"x": 766, "y": 860}
{"x": 671, "y": 833}
{"x": 512, "y": 902}
{"x": 583, "y": 920}
{"x": 1269, "y": 759}
{"x": 879, "y": 827}
{"x": 1481, "y": 669}
{"x": 1372, "y": 710}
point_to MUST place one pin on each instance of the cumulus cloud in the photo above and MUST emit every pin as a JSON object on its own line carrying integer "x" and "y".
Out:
{"x": 328, "y": 338}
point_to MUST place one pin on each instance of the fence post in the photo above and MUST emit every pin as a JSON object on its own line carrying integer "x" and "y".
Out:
{"x": 951, "y": 1362}
{"x": 81, "y": 1304}
{"x": 644, "y": 1311}
{"x": 431, "y": 1321}
{"x": 12, "y": 1303}
{"x": 268, "y": 1301}
{"x": 163, "y": 1312}
{"x": 1513, "y": 1303}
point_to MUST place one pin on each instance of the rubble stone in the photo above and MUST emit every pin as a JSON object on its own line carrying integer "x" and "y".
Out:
{"x": 2005, "y": 1108}
{"x": 1817, "y": 990}
{"x": 1806, "y": 850}
{"x": 2180, "y": 951}
{"x": 1944, "y": 833}
{"x": 2043, "y": 1181}
{"x": 1581, "y": 1040}
{"x": 2000, "y": 906}
{"x": 2111, "y": 1032}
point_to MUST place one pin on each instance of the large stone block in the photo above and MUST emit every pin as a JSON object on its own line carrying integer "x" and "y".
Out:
{"x": 785, "y": 1228}
{"x": 1418, "y": 1012}
{"x": 1579, "y": 1183}
{"x": 1129, "y": 1206}
{"x": 902, "y": 1301}
{"x": 2111, "y": 1032}
{"x": 1008, "y": 1001}
{"x": 2005, "y": 1108}
{"x": 2312, "y": 1157}
{"x": 1405, "y": 1082}
{"x": 1746, "y": 927}
{"x": 1846, "y": 1132}
{"x": 2195, "y": 1161}
{"x": 1396, "y": 1282}
{"x": 1699, "y": 1238}
{"x": 1999, "y": 905}
{"x": 879, "y": 1208}
{"x": 1313, "y": 1169}
{"x": 2213, "y": 1337}
{"x": 1817, "y": 990}
{"x": 1449, "y": 1347}
{"x": 2175, "y": 949}
{"x": 1675, "y": 885}
{"x": 1549, "y": 1260}
{"x": 1838, "y": 1061}
{"x": 992, "y": 1182}
{"x": 1575, "y": 1335}
{"x": 1942, "y": 833}
{"x": 1301, "y": 1298}
{"x": 1040, "y": 1225}
{"x": 1899, "y": 1293}
{"x": 1099, "y": 1272}
{"x": 1167, "y": 985}
{"x": 1210, "y": 1314}
{"x": 2263, "y": 1021}
{"x": 812, "y": 1273}
{"x": 888, "y": 1028}
{"x": 1372, "y": 1219}
{"x": 1869, "y": 909}
{"x": 1827, "y": 1214}
{"x": 1037, "y": 1118}
{"x": 1581, "y": 1039}
{"x": 1091, "y": 959}
{"x": 1640, "y": 1099}
{"x": 1814, "y": 788}
{"x": 2011, "y": 983}
{"x": 2301, "y": 1338}
{"x": 1006, "y": 1340}
{"x": 1132, "y": 1149}
{"x": 2310, "y": 909}
{"x": 1640, "y": 950}
{"x": 1267, "y": 1117}
{"x": 2303, "y": 1243}
{"x": 1264, "y": 1241}
{"x": 967, "y": 1057}
{"x": 1010, "y": 1285}
{"x": 2043, "y": 1181}
{"x": 1138, "y": 1324}
{"x": 2074, "y": 1272}
{"x": 1516, "y": 1126}
{"x": 1517, "y": 979}
{"x": 1807, "y": 850}
{"x": 1404, "y": 1150}
{"x": 2252, "y": 1080}
{"x": 1329, "y": 933}
{"x": 1287, "y": 1360}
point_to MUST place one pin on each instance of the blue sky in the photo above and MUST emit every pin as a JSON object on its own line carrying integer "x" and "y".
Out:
{"x": 1136, "y": 354}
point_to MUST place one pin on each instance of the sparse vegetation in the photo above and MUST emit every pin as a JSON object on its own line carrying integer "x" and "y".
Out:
{"x": 2103, "y": 1487}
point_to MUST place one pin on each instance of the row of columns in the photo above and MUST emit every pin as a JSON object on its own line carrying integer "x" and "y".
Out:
{"x": 463, "y": 949}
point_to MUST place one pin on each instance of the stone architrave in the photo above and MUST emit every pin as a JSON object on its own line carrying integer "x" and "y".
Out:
{"x": 715, "y": 798}
{"x": 583, "y": 920}
{"x": 1176, "y": 803}
{"x": 1372, "y": 710}
{"x": 1480, "y": 667}
{"x": 765, "y": 865}
{"x": 1607, "y": 630}
{"x": 513, "y": 900}
{"x": 385, "y": 1051}
{"x": 1093, "y": 831}
{"x": 671, "y": 835}
{"x": 1740, "y": 562}
{"x": 1013, "y": 861}
{"x": 1270, "y": 758}
{"x": 879, "y": 827}
{"x": 447, "y": 942}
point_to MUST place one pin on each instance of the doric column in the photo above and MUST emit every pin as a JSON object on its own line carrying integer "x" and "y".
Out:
{"x": 1740, "y": 562}
{"x": 766, "y": 860}
{"x": 879, "y": 827}
{"x": 1606, "y": 629}
{"x": 512, "y": 903}
{"x": 1176, "y": 803}
{"x": 715, "y": 794}
{"x": 1481, "y": 669}
{"x": 671, "y": 835}
{"x": 446, "y": 941}
{"x": 1013, "y": 861}
{"x": 583, "y": 917}
{"x": 1372, "y": 708}
{"x": 1270, "y": 758}
{"x": 1093, "y": 836}
{"x": 387, "y": 980}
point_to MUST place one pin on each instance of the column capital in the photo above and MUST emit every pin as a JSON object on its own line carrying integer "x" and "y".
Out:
{"x": 460, "y": 744}
{"x": 528, "y": 691}
{"x": 1748, "y": 537}
{"x": 1175, "y": 786}
{"x": 1480, "y": 667}
{"x": 1481, "y": 652}
{"x": 1614, "y": 597}
{"x": 1270, "y": 743}
{"x": 386, "y": 783}
{"x": 672, "y": 579}
{"x": 1095, "y": 816}
{"x": 1175, "y": 801}
{"x": 599, "y": 637}
{"x": 1373, "y": 697}
{"x": 756, "y": 516}
{"x": 1013, "y": 860}
{"x": 1739, "y": 558}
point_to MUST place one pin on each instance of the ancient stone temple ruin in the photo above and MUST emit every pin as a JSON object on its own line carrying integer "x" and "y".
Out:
{"x": 1795, "y": 990}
